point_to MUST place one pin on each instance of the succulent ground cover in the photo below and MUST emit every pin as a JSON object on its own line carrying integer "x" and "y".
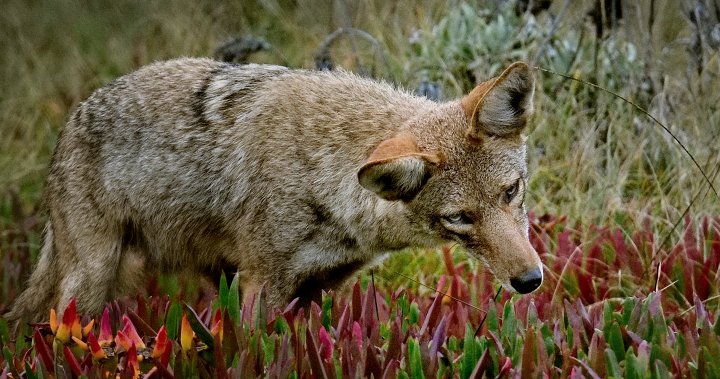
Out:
{"x": 609, "y": 307}
{"x": 626, "y": 223}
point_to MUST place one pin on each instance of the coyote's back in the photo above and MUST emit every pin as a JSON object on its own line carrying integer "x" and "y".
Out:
{"x": 295, "y": 179}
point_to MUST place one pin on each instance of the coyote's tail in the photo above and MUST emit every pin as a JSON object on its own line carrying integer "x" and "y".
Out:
{"x": 33, "y": 305}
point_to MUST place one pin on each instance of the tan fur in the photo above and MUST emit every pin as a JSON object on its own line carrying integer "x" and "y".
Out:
{"x": 295, "y": 179}
{"x": 490, "y": 114}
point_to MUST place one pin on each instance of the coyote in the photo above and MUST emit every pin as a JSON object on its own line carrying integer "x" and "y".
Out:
{"x": 294, "y": 179}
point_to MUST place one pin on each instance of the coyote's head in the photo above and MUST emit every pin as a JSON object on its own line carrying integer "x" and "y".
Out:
{"x": 460, "y": 171}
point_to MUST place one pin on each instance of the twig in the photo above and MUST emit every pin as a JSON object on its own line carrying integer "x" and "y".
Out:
{"x": 437, "y": 291}
{"x": 704, "y": 301}
{"x": 477, "y": 330}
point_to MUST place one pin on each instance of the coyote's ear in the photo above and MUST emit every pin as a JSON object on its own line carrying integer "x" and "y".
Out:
{"x": 501, "y": 106}
{"x": 397, "y": 170}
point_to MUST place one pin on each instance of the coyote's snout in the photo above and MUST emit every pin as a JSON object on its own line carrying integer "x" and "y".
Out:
{"x": 294, "y": 179}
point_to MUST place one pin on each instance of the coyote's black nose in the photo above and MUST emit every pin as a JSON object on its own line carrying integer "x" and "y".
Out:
{"x": 528, "y": 281}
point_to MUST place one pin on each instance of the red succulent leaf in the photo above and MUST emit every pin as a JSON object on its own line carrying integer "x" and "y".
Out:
{"x": 596, "y": 356}
{"x": 497, "y": 343}
{"x": 219, "y": 359}
{"x": 565, "y": 245}
{"x": 139, "y": 322}
{"x": 70, "y": 314}
{"x": 68, "y": 324}
{"x": 448, "y": 260}
{"x": 95, "y": 349}
{"x": 395, "y": 344}
{"x": 505, "y": 366}
{"x": 369, "y": 319}
{"x": 290, "y": 308}
{"x": 440, "y": 335}
{"x": 132, "y": 361}
{"x": 585, "y": 285}
{"x": 131, "y": 333}
{"x": 703, "y": 280}
{"x": 318, "y": 370}
{"x": 357, "y": 334}
{"x": 122, "y": 341}
{"x": 529, "y": 352}
{"x": 41, "y": 350}
{"x": 391, "y": 369}
{"x": 106, "y": 336}
{"x": 577, "y": 373}
{"x": 575, "y": 322}
{"x": 356, "y": 302}
{"x": 437, "y": 340}
{"x": 456, "y": 289}
{"x": 432, "y": 315}
{"x": 326, "y": 345}
{"x": 372, "y": 365}
{"x": 163, "y": 347}
{"x": 72, "y": 362}
{"x": 482, "y": 365}
{"x": 343, "y": 325}
{"x": 217, "y": 325}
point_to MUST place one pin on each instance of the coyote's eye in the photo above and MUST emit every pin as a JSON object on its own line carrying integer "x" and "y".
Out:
{"x": 511, "y": 192}
{"x": 458, "y": 219}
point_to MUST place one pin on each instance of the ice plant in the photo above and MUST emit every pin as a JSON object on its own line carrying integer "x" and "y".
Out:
{"x": 70, "y": 324}
{"x": 97, "y": 351}
{"x": 81, "y": 344}
{"x": 132, "y": 361}
{"x": 217, "y": 325}
{"x": 122, "y": 341}
{"x": 626, "y": 338}
{"x": 53, "y": 321}
{"x": 357, "y": 334}
{"x": 87, "y": 328}
{"x": 326, "y": 345}
{"x": 75, "y": 328}
{"x": 106, "y": 337}
{"x": 186, "y": 334}
{"x": 42, "y": 351}
{"x": 162, "y": 348}
{"x": 72, "y": 361}
{"x": 69, "y": 328}
{"x": 85, "y": 332}
{"x": 128, "y": 335}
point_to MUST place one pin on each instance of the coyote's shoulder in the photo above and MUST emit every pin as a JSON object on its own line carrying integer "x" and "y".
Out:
{"x": 295, "y": 179}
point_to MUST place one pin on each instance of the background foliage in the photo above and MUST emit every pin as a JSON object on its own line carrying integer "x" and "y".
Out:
{"x": 622, "y": 217}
